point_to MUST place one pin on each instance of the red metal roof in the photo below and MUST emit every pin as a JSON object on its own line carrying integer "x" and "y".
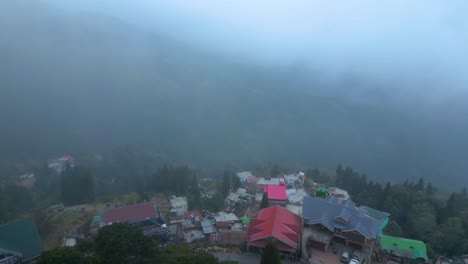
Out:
{"x": 222, "y": 224}
{"x": 275, "y": 192}
{"x": 275, "y": 222}
{"x": 131, "y": 213}
{"x": 194, "y": 213}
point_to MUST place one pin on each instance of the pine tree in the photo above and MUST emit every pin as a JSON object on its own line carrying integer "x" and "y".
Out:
{"x": 235, "y": 182}
{"x": 429, "y": 189}
{"x": 420, "y": 185}
{"x": 275, "y": 170}
{"x": 194, "y": 193}
{"x": 225, "y": 184}
{"x": 264, "y": 202}
{"x": 271, "y": 254}
{"x": 393, "y": 229}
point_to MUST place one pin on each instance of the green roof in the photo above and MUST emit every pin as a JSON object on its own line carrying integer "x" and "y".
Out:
{"x": 404, "y": 247}
{"x": 245, "y": 220}
{"x": 21, "y": 236}
{"x": 375, "y": 213}
{"x": 96, "y": 219}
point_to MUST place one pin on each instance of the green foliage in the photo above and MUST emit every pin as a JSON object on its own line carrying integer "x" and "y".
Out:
{"x": 181, "y": 254}
{"x": 44, "y": 180}
{"x": 86, "y": 246}
{"x": 43, "y": 220}
{"x": 68, "y": 255}
{"x": 264, "y": 203}
{"x": 415, "y": 211}
{"x": 270, "y": 254}
{"x": 3, "y": 207}
{"x": 318, "y": 176}
{"x": 225, "y": 183}
{"x": 393, "y": 229}
{"x": 275, "y": 170}
{"x": 125, "y": 244}
{"x": 131, "y": 198}
{"x": 235, "y": 182}
{"x": 77, "y": 185}
{"x": 194, "y": 198}
{"x": 215, "y": 203}
{"x": 172, "y": 179}
{"x": 16, "y": 199}
{"x": 430, "y": 190}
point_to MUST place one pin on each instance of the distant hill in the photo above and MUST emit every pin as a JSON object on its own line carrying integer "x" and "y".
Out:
{"x": 85, "y": 82}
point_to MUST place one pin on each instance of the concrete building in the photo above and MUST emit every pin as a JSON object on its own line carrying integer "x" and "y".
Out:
{"x": 339, "y": 220}
{"x": 262, "y": 182}
{"x": 276, "y": 194}
{"x": 179, "y": 206}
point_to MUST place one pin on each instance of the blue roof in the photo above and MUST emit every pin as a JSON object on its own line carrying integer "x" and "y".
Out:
{"x": 207, "y": 227}
{"x": 333, "y": 213}
{"x": 375, "y": 213}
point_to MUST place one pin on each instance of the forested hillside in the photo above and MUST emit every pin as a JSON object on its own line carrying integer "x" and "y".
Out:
{"x": 416, "y": 211}
{"x": 83, "y": 83}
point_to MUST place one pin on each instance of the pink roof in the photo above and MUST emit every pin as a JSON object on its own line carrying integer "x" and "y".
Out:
{"x": 278, "y": 222}
{"x": 131, "y": 213}
{"x": 275, "y": 192}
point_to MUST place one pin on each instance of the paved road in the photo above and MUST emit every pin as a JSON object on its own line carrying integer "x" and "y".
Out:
{"x": 244, "y": 258}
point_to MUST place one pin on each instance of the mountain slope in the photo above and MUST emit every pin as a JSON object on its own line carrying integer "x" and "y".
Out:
{"x": 84, "y": 82}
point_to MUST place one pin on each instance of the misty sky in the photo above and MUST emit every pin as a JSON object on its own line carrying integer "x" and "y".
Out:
{"x": 422, "y": 44}
{"x": 381, "y": 87}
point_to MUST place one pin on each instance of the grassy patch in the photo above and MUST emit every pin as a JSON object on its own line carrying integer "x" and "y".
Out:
{"x": 62, "y": 222}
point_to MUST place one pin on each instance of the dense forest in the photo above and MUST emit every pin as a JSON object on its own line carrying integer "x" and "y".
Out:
{"x": 416, "y": 210}
{"x": 120, "y": 173}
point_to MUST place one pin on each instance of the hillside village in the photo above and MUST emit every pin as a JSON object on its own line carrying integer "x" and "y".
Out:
{"x": 308, "y": 224}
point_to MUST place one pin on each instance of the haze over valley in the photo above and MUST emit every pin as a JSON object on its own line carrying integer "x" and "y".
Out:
{"x": 77, "y": 78}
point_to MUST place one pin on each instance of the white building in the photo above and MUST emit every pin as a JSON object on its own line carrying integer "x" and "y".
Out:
{"x": 244, "y": 175}
{"x": 294, "y": 179}
{"x": 179, "y": 206}
{"x": 262, "y": 182}
{"x": 233, "y": 198}
{"x": 339, "y": 193}
{"x": 296, "y": 209}
{"x": 296, "y": 196}
{"x": 224, "y": 217}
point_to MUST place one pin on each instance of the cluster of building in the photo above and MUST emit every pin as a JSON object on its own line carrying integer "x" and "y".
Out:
{"x": 144, "y": 215}
{"x": 299, "y": 224}
{"x": 189, "y": 226}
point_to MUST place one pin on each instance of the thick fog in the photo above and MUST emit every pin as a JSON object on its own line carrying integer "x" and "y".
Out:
{"x": 381, "y": 87}
{"x": 420, "y": 45}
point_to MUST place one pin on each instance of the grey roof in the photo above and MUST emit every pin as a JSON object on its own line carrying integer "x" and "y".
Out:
{"x": 207, "y": 227}
{"x": 327, "y": 211}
